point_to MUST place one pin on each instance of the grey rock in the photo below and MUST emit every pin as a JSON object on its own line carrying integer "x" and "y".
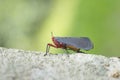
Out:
{"x": 31, "y": 65}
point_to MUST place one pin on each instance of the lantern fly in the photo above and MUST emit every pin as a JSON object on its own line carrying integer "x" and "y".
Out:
{"x": 70, "y": 43}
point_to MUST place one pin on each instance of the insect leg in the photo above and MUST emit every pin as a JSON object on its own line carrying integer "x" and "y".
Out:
{"x": 66, "y": 50}
{"x": 78, "y": 51}
{"x": 47, "y": 49}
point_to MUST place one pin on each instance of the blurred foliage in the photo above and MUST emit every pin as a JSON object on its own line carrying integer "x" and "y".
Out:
{"x": 27, "y": 24}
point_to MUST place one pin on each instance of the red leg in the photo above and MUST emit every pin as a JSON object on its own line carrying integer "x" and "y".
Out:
{"x": 52, "y": 45}
{"x": 48, "y": 47}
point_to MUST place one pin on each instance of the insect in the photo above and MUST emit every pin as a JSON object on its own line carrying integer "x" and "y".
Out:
{"x": 70, "y": 43}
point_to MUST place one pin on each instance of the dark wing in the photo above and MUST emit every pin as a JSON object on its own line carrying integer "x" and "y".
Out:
{"x": 81, "y": 43}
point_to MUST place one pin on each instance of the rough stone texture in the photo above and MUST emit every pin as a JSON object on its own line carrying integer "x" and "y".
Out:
{"x": 29, "y": 65}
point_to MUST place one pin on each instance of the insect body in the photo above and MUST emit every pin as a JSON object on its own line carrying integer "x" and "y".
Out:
{"x": 71, "y": 43}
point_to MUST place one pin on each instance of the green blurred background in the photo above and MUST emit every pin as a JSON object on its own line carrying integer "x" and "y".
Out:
{"x": 27, "y": 24}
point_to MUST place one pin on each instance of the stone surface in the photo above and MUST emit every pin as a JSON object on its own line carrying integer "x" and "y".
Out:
{"x": 30, "y": 65}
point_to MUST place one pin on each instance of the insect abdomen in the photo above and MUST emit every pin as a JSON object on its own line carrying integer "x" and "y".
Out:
{"x": 72, "y": 48}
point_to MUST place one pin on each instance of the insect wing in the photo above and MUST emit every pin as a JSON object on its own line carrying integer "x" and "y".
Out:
{"x": 81, "y": 43}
